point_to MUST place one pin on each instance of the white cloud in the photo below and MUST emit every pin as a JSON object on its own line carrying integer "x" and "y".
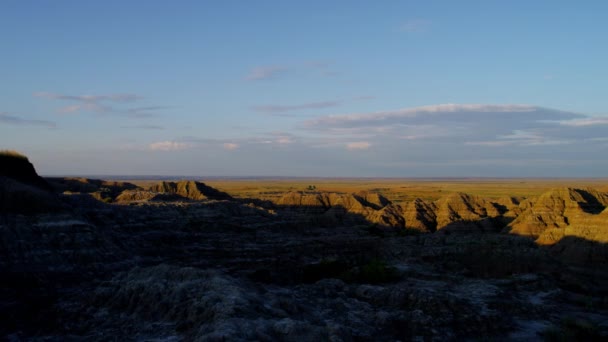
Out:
{"x": 169, "y": 146}
{"x": 417, "y": 112}
{"x": 358, "y": 145}
{"x": 231, "y": 146}
{"x": 591, "y": 121}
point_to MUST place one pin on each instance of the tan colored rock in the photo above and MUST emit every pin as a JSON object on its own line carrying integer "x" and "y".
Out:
{"x": 420, "y": 215}
{"x": 341, "y": 207}
{"x": 189, "y": 189}
{"x": 558, "y": 209}
{"x": 462, "y": 211}
{"x": 135, "y": 195}
{"x": 373, "y": 199}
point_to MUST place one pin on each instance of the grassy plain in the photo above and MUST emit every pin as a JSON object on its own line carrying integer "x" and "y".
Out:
{"x": 397, "y": 190}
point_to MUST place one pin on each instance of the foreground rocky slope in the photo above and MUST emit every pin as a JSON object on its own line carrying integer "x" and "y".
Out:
{"x": 311, "y": 266}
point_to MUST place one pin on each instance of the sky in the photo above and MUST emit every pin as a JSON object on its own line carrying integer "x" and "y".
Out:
{"x": 306, "y": 88}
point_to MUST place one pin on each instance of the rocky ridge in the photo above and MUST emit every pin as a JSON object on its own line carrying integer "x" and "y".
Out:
{"x": 190, "y": 263}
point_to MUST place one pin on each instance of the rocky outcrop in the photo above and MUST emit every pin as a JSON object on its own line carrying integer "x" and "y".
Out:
{"x": 558, "y": 209}
{"x": 572, "y": 222}
{"x": 372, "y": 199}
{"x": 139, "y": 195}
{"x": 420, "y": 215}
{"x": 463, "y": 212}
{"x": 363, "y": 208}
{"x": 190, "y": 189}
{"x": 99, "y": 189}
{"x": 16, "y": 166}
{"x": 172, "y": 191}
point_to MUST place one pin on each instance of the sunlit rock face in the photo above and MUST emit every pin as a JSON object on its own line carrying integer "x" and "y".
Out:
{"x": 189, "y": 189}
{"x": 558, "y": 209}
{"x": 361, "y": 208}
{"x": 420, "y": 215}
{"x": 172, "y": 191}
{"x": 463, "y": 212}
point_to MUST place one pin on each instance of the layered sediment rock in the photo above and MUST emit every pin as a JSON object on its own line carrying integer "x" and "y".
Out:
{"x": 463, "y": 212}
{"x": 189, "y": 189}
{"x": 343, "y": 208}
{"x": 559, "y": 208}
{"x": 420, "y": 215}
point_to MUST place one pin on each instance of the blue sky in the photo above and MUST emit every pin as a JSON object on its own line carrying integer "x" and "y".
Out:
{"x": 315, "y": 88}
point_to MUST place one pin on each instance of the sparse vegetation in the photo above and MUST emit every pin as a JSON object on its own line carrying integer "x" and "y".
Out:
{"x": 398, "y": 190}
{"x": 376, "y": 271}
{"x": 572, "y": 329}
{"x": 12, "y": 154}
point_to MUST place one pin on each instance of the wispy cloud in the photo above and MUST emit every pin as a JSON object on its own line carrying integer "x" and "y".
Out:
{"x": 102, "y": 104}
{"x": 591, "y": 121}
{"x": 358, "y": 145}
{"x": 271, "y": 72}
{"x": 364, "y": 98}
{"x": 15, "y": 120}
{"x": 415, "y": 25}
{"x": 148, "y": 127}
{"x": 265, "y": 72}
{"x": 144, "y": 112}
{"x": 458, "y": 125}
{"x": 455, "y": 113}
{"x": 282, "y": 110}
{"x": 91, "y": 98}
{"x": 272, "y": 109}
{"x": 231, "y": 146}
{"x": 169, "y": 146}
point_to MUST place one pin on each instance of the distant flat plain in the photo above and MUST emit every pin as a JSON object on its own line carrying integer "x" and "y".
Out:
{"x": 395, "y": 189}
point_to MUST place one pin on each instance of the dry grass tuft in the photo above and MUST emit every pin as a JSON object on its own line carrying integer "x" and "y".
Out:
{"x": 12, "y": 154}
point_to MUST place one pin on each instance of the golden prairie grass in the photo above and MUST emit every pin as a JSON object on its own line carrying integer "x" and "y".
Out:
{"x": 397, "y": 190}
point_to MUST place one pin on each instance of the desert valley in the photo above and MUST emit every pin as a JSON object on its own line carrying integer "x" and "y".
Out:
{"x": 301, "y": 259}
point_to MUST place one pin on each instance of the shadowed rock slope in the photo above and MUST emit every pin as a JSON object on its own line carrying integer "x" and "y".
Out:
{"x": 21, "y": 189}
{"x": 99, "y": 189}
{"x": 16, "y": 166}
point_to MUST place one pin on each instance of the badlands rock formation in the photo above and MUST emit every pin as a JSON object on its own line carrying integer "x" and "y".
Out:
{"x": 173, "y": 191}
{"x": 183, "y": 261}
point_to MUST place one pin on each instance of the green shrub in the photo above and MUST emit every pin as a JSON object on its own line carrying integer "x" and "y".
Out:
{"x": 571, "y": 329}
{"x": 375, "y": 271}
